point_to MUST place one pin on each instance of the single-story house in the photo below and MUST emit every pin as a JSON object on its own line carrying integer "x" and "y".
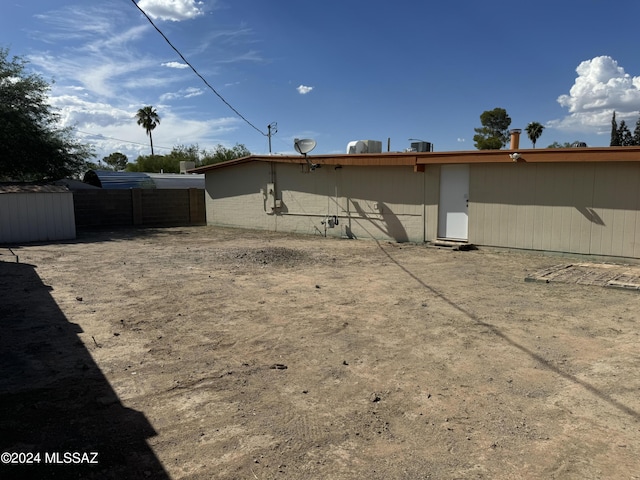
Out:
{"x": 575, "y": 200}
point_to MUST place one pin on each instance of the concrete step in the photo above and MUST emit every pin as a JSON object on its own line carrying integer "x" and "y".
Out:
{"x": 453, "y": 244}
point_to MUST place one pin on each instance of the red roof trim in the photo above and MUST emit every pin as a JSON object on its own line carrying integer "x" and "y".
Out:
{"x": 392, "y": 159}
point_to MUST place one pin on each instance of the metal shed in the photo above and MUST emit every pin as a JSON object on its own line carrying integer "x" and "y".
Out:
{"x": 30, "y": 213}
{"x": 117, "y": 180}
{"x": 109, "y": 180}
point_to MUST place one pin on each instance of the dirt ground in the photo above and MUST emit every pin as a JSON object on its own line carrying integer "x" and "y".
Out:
{"x": 210, "y": 353}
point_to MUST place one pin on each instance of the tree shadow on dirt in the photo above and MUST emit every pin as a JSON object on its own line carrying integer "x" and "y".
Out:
{"x": 55, "y": 401}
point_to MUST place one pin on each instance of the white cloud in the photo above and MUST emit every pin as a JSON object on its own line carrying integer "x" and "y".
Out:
{"x": 174, "y": 10}
{"x": 601, "y": 87}
{"x": 102, "y": 77}
{"x": 175, "y": 65}
{"x": 250, "y": 56}
{"x": 74, "y": 110}
{"x": 303, "y": 89}
{"x": 184, "y": 93}
{"x": 111, "y": 129}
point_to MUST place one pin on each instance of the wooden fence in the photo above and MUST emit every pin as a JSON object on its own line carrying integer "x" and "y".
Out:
{"x": 140, "y": 207}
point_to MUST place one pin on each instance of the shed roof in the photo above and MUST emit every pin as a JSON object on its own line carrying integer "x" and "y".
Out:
{"x": 10, "y": 187}
{"x": 176, "y": 180}
{"x": 417, "y": 159}
{"x": 109, "y": 180}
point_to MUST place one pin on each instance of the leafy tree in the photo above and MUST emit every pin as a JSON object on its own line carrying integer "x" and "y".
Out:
{"x": 223, "y": 154}
{"x": 534, "y": 130}
{"x": 183, "y": 153}
{"x": 116, "y": 160}
{"x": 33, "y": 147}
{"x": 149, "y": 119}
{"x": 494, "y": 133}
{"x": 615, "y": 137}
{"x": 171, "y": 163}
{"x": 155, "y": 164}
{"x": 566, "y": 144}
{"x": 624, "y": 135}
{"x": 93, "y": 166}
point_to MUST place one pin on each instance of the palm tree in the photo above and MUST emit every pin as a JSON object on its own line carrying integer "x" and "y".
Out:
{"x": 149, "y": 119}
{"x": 534, "y": 130}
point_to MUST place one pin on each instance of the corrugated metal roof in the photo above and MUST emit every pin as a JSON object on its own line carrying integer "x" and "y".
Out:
{"x": 177, "y": 180}
{"x": 118, "y": 180}
{"x": 122, "y": 180}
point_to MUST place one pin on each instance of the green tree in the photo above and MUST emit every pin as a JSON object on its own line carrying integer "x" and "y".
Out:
{"x": 183, "y": 153}
{"x": 223, "y": 154}
{"x": 148, "y": 118}
{"x": 566, "y": 144}
{"x": 534, "y": 130}
{"x": 636, "y": 133}
{"x": 155, "y": 164}
{"x": 116, "y": 160}
{"x": 494, "y": 133}
{"x": 33, "y": 147}
{"x": 624, "y": 135}
{"x": 615, "y": 137}
{"x": 170, "y": 163}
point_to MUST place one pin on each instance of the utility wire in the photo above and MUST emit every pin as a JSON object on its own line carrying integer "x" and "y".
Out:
{"x": 195, "y": 71}
{"x": 99, "y": 135}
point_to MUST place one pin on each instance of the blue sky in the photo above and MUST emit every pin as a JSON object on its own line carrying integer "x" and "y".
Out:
{"x": 334, "y": 71}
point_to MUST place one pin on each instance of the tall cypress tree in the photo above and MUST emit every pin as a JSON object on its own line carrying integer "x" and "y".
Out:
{"x": 636, "y": 133}
{"x": 624, "y": 135}
{"x": 615, "y": 136}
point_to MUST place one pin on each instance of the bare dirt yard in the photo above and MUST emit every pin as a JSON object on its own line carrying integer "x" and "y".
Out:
{"x": 210, "y": 353}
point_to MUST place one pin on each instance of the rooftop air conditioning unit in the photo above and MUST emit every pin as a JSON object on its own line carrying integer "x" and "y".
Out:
{"x": 421, "y": 147}
{"x": 364, "y": 146}
{"x": 185, "y": 165}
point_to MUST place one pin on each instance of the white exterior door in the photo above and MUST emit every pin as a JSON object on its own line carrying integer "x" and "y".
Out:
{"x": 453, "y": 218}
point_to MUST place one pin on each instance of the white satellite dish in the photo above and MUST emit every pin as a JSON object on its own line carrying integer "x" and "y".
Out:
{"x": 304, "y": 145}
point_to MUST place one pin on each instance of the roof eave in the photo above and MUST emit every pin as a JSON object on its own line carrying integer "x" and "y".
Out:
{"x": 546, "y": 155}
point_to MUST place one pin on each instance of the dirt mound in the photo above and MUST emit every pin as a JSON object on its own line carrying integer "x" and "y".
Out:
{"x": 280, "y": 256}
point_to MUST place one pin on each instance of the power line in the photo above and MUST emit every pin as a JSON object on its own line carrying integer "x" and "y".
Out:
{"x": 195, "y": 71}
{"x": 99, "y": 135}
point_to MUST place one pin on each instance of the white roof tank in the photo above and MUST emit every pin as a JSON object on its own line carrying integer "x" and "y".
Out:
{"x": 364, "y": 146}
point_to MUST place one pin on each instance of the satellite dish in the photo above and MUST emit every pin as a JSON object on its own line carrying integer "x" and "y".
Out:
{"x": 304, "y": 145}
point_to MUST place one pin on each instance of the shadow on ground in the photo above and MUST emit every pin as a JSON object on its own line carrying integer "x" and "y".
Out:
{"x": 53, "y": 397}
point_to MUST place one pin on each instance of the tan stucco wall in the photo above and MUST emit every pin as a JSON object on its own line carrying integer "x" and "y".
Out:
{"x": 233, "y": 196}
{"x": 385, "y": 203}
{"x": 590, "y": 208}
{"x": 431, "y": 200}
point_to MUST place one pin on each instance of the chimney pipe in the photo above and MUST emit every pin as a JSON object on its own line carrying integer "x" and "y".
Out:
{"x": 515, "y": 138}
